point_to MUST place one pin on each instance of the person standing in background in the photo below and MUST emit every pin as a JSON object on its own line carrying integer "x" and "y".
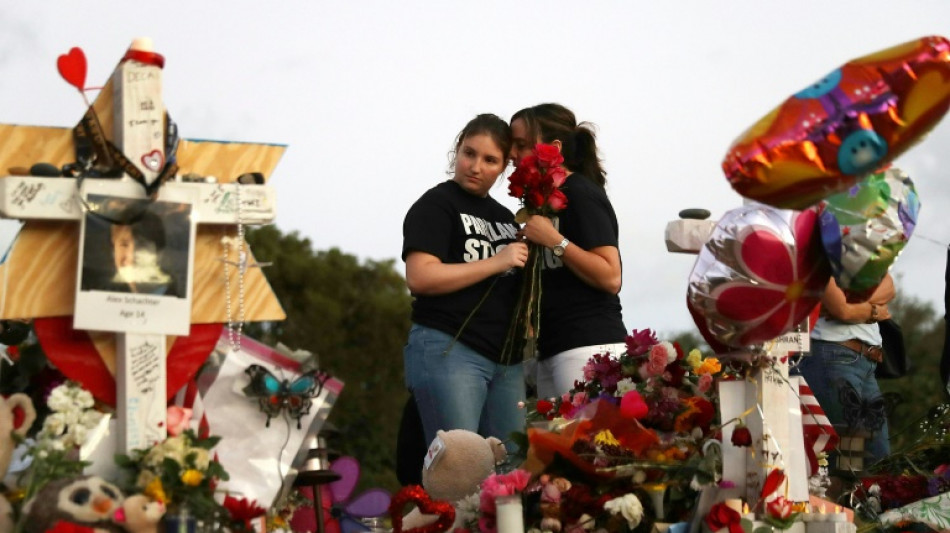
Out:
{"x": 845, "y": 350}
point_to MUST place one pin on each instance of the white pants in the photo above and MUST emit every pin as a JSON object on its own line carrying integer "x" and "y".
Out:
{"x": 556, "y": 375}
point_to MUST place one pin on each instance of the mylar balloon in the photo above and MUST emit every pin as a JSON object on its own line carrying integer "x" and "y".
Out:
{"x": 827, "y": 136}
{"x": 864, "y": 229}
{"x": 760, "y": 274}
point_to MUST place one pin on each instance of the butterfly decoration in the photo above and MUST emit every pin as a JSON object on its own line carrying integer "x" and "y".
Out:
{"x": 341, "y": 511}
{"x": 276, "y": 395}
{"x": 859, "y": 412}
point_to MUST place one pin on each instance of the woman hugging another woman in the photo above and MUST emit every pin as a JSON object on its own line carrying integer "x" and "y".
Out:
{"x": 581, "y": 277}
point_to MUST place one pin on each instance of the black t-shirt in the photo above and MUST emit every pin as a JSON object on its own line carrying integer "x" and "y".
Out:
{"x": 574, "y": 314}
{"x": 458, "y": 227}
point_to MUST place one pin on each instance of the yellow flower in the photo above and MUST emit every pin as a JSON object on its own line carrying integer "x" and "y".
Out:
{"x": 710, "y": 365}
{"x": 155, "y": 491}
{"x": 694, "y": 359}
{"x": 192, "y": 477}
{"x": 606, "y": 437}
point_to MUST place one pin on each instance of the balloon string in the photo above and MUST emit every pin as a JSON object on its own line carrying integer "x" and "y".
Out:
{"x": 932, "y": 240}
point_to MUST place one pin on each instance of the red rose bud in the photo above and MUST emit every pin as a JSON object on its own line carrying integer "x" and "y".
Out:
{"x": 779, "y": 508}
{"x": 557, "y": 200}
{"x": 741, "y": 436}
{"x": 633, "y": 406}
{"x": 544, "y": 406}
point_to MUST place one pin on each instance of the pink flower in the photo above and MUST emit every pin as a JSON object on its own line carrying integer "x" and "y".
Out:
{"x": 704, "y": 384}
{"x": 639, "y": 342}
{"x": 633, "y": 406}
{"x": 178, "y": 419}
{"x": 656, "y": 362}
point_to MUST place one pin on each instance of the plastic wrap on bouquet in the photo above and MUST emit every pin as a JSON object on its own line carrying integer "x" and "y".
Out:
{"x": 934, "y": 511}
{"x": 761, "y": 272}
{"x": 865, "y": 228}
{"x": 258, "y": 457}
{"x": 597, "y": 417}
{"x": 847, "y": 124}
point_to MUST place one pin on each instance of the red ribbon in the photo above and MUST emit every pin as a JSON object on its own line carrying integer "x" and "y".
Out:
{"x": 149, "y": 58}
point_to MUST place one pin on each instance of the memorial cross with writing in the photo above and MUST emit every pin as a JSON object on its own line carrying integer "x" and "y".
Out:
{"x": 126, "y": 128}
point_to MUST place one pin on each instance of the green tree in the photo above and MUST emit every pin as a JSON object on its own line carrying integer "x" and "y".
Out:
{"x": 922, "y": 388}
{"x": 355, "y": 316}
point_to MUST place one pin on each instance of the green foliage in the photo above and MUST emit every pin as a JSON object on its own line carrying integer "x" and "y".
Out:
{"x": 922, "y": 388}
{"x": 355, "y": 316}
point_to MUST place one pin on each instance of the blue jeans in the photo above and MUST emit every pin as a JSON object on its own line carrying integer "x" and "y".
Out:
{"x": 831, "y": 368}
{"x": 462, "y": 389}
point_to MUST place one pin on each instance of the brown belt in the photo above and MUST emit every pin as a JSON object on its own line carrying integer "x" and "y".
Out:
{"x": 874, "y": 353}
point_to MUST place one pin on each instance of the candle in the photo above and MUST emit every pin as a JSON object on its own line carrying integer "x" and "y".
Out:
{"x": 747, "y": 514}
{"x": 735, "y": 504}
{"x": 508, "y": 514}
{"x": 838, "y": 516}
{"x": 807, "y": 515}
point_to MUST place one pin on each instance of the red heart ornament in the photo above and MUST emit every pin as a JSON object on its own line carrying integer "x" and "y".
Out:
{"x": 417, "y": 495}
{"x": 75, "y": 355}
{"x": 72, "y": 67}
{"x": 153, "y": 160}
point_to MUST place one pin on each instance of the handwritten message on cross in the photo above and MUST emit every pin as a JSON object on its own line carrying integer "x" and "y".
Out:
{"x": 122, "y": 359}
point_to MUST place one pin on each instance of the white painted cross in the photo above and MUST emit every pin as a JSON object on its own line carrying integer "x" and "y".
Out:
{"x": 138, "y": 132}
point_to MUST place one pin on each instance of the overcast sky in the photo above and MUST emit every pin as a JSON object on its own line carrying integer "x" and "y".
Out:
{"x": 369, "y": 95}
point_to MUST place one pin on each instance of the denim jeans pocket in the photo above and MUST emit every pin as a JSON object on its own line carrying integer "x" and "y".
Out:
{"x": 843, "y": 356}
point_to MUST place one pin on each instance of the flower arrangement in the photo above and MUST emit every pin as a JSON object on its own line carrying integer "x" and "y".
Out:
{"x": 536, "y": 183}
{"x": 55, "y": 452}
{"x": 666, "y": 392}
{"x": 624, "y": 446}
{"x": 180, "y": 473}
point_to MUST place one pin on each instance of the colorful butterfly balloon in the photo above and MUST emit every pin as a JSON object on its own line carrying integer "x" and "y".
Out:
{"x": 341, "y": 511}
{"x": 277, "y": 395}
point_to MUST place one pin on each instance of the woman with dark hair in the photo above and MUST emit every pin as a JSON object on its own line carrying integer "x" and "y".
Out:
{"x": 580, "y": 309}
{"x": 461, "y": 255}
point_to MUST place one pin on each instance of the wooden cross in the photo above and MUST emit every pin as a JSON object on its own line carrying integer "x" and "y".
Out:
{"x": 39, "y": 276}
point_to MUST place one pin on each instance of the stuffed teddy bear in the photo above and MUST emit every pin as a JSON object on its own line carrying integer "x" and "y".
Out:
{"x": 79, "y": 500}
{"x": 455, "y": 465}
{"x": 139, "y": 514}
{"x": 16, "y": 416}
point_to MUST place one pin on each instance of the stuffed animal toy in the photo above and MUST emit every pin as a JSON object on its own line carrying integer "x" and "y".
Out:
{"x": 16, "y": 416}
{"x": 81, "y": 500}
{"x": 457, "y": 462}
{"x": 139, "y": 514}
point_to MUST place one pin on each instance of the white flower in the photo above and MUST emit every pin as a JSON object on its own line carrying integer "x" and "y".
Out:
{"x": 625, "y": 385}
{"x": 586, "y": 522}
{"x": 669, "y": 349}
{"x": 201, "y": 458}
{"x": 629, "y": 507}
{"x": 53, "y": 426}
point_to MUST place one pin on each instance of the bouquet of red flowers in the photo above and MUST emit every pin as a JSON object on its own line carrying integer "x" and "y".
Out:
{"x": 537, "y": 184}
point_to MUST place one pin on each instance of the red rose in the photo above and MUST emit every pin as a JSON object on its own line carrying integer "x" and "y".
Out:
{"x": 548, "y": 155}
{"x": 741, "y": 436}
{"x": 779, "y": 508}
{"x": 558, "y": 175}
{"x": 721, "y": 516}
{"x": 535, "y": 199}
{"x": 544, "y": 406}
{"x": 557, "y": 200}
{"x": 633, "y": 406}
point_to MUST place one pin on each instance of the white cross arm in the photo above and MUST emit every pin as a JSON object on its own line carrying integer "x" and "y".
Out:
{"x": 34, "y": 197}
